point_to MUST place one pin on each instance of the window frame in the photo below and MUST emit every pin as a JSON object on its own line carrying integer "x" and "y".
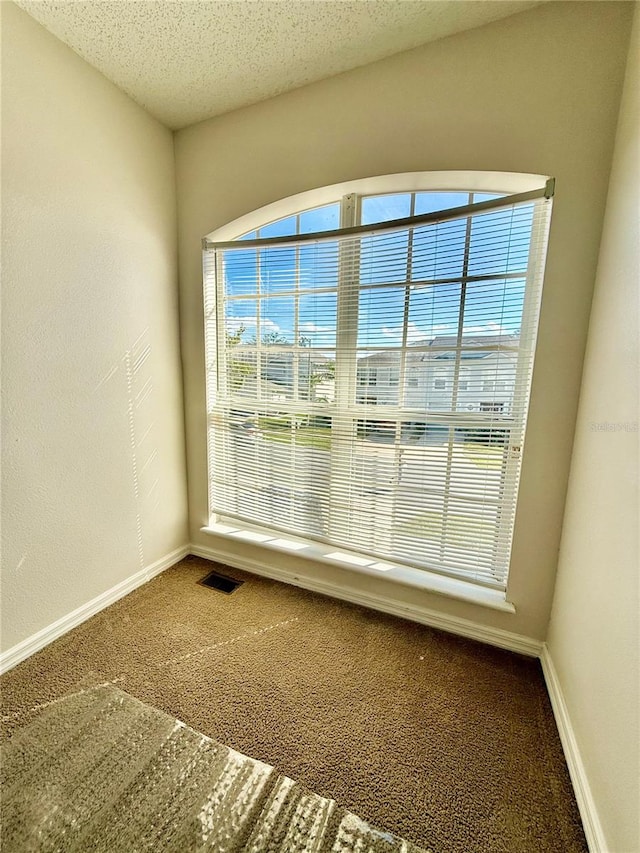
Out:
{"x": 454, "y": 181}
{"x": 486, "y": 182}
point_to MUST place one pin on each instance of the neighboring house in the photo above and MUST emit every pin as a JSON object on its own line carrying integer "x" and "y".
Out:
{"x": 485, "y": 377}
{"x": 280, "y": 372}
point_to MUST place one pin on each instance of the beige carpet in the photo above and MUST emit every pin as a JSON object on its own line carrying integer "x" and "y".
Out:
{"x": 440, "y": 740}
{"x": 98, "y": 770}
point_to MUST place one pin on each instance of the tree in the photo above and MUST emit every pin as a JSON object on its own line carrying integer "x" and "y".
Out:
{"x": 321, "y": 373}
{"x": 271, "y": 339}
{"x": 235, "y": 338}
{"x": 240, "y": 368}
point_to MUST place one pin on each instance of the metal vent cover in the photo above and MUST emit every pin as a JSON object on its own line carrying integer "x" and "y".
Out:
{"x": 221, "y": 583}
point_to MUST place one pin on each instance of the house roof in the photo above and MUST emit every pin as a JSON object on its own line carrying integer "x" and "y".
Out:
{"x": 440, "y": 345}
{"x": 495, "y": 341}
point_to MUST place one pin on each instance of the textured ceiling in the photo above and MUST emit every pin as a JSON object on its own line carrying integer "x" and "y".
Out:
{"x": 187, "y": 61}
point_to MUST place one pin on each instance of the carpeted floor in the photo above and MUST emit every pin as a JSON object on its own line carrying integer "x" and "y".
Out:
{"x": 99, "y": 770}
{"x": 444, "y": 741}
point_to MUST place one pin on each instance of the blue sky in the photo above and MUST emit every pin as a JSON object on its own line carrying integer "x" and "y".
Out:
{"x": 288, "y": 288}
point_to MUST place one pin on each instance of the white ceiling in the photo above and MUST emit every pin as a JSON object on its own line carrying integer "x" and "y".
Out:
{"x": 188, "y": 60}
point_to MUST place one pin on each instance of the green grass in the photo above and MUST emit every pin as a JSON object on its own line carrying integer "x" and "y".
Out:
{"x": 462, "y": 530}
{"x": 484, "y": 456}
{"x": 317, "y": 437}
{"x": 275, "y": 422}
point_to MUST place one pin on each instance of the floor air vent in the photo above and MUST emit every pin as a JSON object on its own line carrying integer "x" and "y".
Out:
{"x": 220, "y": 582}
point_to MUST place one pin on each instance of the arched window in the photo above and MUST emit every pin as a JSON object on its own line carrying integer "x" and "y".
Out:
{"x": 369, "y": 362}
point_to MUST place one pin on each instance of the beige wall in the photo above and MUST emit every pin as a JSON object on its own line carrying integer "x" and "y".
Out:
{"x": 537, "y": 92}
{"x": 93, "y": 481}
{"x": 594, "y": 639}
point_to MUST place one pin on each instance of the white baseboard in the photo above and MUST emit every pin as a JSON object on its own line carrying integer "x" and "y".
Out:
{"x": 432, "y": 618}
{"x": 47, "y": 635}
{"x": 586, "y": 803}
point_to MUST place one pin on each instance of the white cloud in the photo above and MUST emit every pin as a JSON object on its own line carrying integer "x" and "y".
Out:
{"x": 490, "y": 328}
{"x": 414, "y": 333}
{"x": 233, "y": 324}
{"x": 311, "y": 327}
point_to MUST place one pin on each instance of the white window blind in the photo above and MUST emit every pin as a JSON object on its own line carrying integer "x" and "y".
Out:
{"x": 368, "y": 387}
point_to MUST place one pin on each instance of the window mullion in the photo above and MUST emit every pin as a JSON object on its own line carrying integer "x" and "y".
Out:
{"x": 454, "y": 389}
{"x": 343, "y": 426}
{"x": 295, "y": 382}
{"x": 295, "y": 356}
{"x": 401, "y": 393}
{"x": 463, "y": 297}
{"x": 258, "y": 328}
{"x": 405, "y": 312}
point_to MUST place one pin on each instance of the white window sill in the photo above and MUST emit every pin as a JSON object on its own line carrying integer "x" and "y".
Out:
{"x": 396, "y": 572}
